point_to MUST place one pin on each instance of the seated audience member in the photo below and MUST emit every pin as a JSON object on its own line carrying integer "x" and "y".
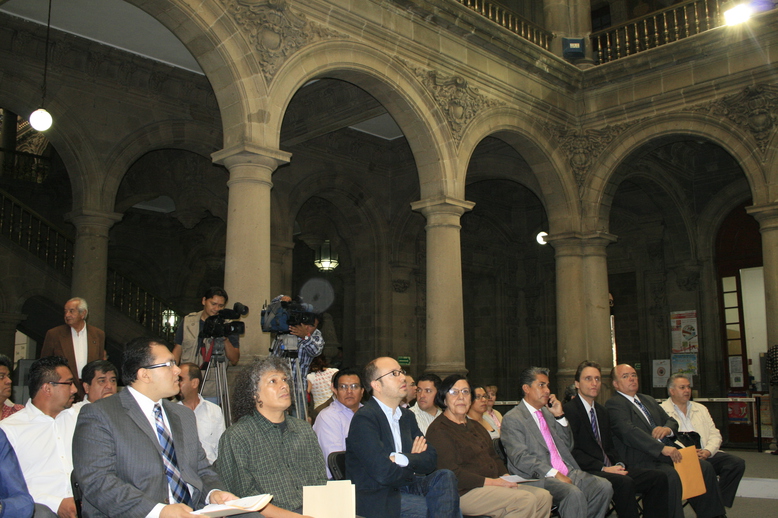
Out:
{"x": 210, "y": 420}
{"x": 492, "y": 416}
{"x": 388, "y": 459}
{"x": 267, "y": 451}
{"x": 15, "y": 500}
{"x": 319, "y": 379}
{"x": 42, "y": 435}
{"x": 332, "y": 423}
{"x": 99, "y": 380}
{"x": 410, "y": 399}
{"x": 538, "y": 443}
{"x": 465, "y": 448}
{"x": 425, "y": 409}
{"x": 478, "y": 409}
{"x": 6, "y": 385}
{"x": 695, "y": 419}
{"x": 595, "y": 452}
{"x": 644, "y": 436}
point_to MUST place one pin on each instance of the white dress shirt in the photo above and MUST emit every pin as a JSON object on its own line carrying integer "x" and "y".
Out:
{"x": 80, "y": 347}
{"x": 424, "y": 419}
{"x": 44, "y": 447}
{"x": 210, "y": 426}
{"x": 394, "y": 424}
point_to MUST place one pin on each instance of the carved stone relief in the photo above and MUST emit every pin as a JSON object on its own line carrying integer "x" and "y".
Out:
{"x": 754, "y": 109}
{"x": 275, "y": 31}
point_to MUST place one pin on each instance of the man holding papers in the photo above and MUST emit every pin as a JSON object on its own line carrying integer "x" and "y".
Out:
{"x": 644, "y": 436}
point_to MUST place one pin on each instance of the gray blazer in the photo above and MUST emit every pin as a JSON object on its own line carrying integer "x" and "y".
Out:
{"x": 525, "y": 447}
{"x": 117, "y": 458}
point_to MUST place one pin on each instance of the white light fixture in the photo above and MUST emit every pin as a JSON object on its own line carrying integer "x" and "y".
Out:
{"x": 738, "y": 14}
{"x": 541, "y": 238}
{"x": 40, "y": 119}
{"x": 326, "y": 260}
{"x": 169, "y": 319}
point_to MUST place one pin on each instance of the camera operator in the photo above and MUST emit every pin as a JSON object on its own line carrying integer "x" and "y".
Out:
{"x": 189, "y": 346}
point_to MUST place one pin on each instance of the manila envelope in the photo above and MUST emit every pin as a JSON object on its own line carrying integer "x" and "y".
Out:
{"x": 691, "y": 473}
{"x": 335, "y": 500}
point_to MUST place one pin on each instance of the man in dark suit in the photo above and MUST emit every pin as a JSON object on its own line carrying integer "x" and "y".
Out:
{"x": 537, "y": 441}
{"x": 644, "y": 437}
{"x": 136, "y": 452}
{"x": 76, "y": 341}
{"x": 596, "y": 454}
{"x": 388, "y": 458}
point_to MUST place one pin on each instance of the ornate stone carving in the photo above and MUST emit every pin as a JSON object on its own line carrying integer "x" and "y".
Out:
{"x": 755, "y": 109}
{"x": 583, "y": 146}
{"x": 400, "y": 286}
{"x": 459, "y": 101}
{"x": 275, "y": 31}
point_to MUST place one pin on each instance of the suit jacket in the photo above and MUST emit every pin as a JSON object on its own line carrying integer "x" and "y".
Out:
{"x": 376, "y": 477}
{"x": 702, "y": 422}
{"x": 117, "y": 458}
{"x": 586, "y": 452}
{"x": 59, "y": 342}
{"x": 632, "y": 433}
{"x": 525, "y": 447}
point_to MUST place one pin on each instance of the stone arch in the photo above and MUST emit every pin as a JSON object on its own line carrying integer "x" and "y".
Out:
{"x": 557, "y": 192}
{"x": 717, "y": 211}
{"x": 604, "y": 176}
{"x": 394, "y": 85}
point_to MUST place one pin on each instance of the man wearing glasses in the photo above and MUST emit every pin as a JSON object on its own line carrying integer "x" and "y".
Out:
{"x": 332, "y": 423}
{"x": 388, "y": 458}
{"x": 138, "y": 454}
{"x": 425, "y": 409}
{"x": 42, "y": 436}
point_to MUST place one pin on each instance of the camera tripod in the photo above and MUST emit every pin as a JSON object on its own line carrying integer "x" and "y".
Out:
{"x": 285, "y": 346}
{"x": 218, "y": 364}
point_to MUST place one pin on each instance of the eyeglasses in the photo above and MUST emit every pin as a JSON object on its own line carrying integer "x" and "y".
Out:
{"x": 479, "y": 397}
{"x": 352, "y": 386}
{"x": 71, "y": 382}
{"x": 395, "y": 373}
{"x": 169, "y": 363}
{"x": 456, "y": 392}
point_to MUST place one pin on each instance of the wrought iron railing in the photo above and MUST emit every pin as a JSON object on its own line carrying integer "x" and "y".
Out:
{"x": 511, "y": 21}
{"x": 656, "y": 29}
{"x": 32, "y": 232}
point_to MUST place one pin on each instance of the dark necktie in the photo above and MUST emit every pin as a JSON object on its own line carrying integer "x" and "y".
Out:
{"x": 596, "y": 430}
{"x": 177, "y": 484}
{"x": 651, "y": 421}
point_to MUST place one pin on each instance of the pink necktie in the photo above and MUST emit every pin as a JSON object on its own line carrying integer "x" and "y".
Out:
{"x": 556, "y": 460}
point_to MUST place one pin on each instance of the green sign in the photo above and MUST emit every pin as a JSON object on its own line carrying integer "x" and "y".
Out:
{"x": 404, "y": 360}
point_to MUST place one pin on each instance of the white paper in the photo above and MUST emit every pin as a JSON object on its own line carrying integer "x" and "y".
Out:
{"x": 517, "y": 479}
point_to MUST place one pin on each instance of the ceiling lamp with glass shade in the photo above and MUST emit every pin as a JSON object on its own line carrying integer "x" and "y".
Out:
{"x": 41, "y": 119}
{"x": 326, "y": 260}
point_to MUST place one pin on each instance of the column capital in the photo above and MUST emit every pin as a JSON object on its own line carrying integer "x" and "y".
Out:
{"x": 442, "y": 205}
{"x": 577, "y": 243}
{"x": 766, "y": 215}
{"x": 251, "y": 154}
{"x": 93, "y": 218}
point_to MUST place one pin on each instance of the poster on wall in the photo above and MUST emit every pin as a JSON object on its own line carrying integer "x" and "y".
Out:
{"x": 737, "y": 411}
{"x": 683, "y": 328}
{"x": 736, "y": 371}
{"x": 685, "y": 364}
{"x": 661, "y": 369}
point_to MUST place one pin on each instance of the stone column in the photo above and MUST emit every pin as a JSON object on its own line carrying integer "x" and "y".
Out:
{"x": 281, "y": 272}
{"x": 90, "y": 260}
{"x": 8, "y": 323}
{"x": 583, "y": 314}
{"x": 569, "y": 19}
{"x": 445, "y": 324}
{"x": 247, "y": 262}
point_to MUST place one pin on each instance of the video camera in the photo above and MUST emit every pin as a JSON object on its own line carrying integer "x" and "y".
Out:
{"x": 226, "y": 322}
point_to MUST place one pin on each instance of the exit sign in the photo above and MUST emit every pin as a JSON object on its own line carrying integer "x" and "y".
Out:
{"x": 404, "y": 360}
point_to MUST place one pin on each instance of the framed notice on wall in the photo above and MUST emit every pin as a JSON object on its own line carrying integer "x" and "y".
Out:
{"x": 683, "y": 329}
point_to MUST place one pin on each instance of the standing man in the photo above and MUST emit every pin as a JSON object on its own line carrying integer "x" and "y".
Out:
{"x": 210, "y": 420}
{"x": 772, "y": 367}
{"x": 192, "y": 347}
{"x": 137, "y": 454}
{"x": 537, "y": 442}
{"x": 425, "y": 409}
{"x": 645, "y": 435}
{"x": 42, "y": 436}
{"x": 78, "y": 342}
{"x": 6, "y": 386}
{"x": 388, "y": 458}
{"x": 695, "y": 419}
{"x": 333, "y": 422}
{"x": 596, "y": 454}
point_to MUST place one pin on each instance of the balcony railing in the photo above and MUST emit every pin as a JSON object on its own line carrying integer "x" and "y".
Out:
{"x": 41, "y": 238}
{"x": 656, "y": 29}
{"x": 511, "y": 21}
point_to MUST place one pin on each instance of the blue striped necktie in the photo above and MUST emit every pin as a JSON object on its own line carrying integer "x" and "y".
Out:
{"x": 596, "y": 430}
{"x": 177, "y": 484}
{"x": 651, "y": 421}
